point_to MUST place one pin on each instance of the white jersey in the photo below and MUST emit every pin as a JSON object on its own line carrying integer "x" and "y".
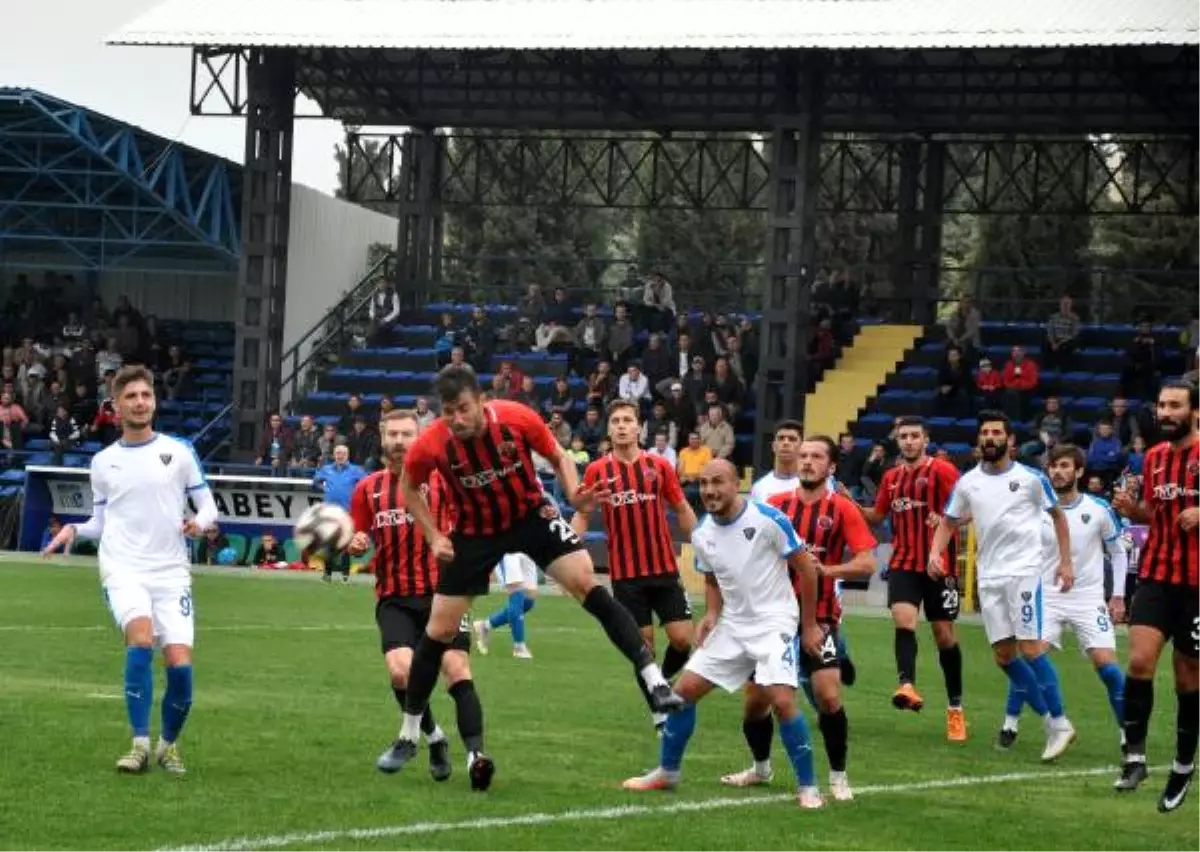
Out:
{"x": 748, "y": 556}
{"x": 143, "y": 489}
{"x": 1009, "y": 511}
{"x": 772, "y": 483}
{"x": 1095, "y": 530}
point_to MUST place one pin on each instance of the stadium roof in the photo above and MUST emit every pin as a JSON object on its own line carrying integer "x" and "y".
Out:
{"x": 80, "y": 189}
{"x": 651, "y": 24}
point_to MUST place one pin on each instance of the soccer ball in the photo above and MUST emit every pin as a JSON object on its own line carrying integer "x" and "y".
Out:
{"x": 324, "y": 525}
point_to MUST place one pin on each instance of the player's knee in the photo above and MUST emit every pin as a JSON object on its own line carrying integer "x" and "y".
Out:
{"x": 1187, "y": 672}
{"x": 904, "y": 616}
{"x": 1004, "y": 653}
{"x": 783, "y": 703}
{"x": 1142, "y": 662}
{"x": 455, "y": 668}
{"x": 574, "y": 573}
{"x": 757, "y": 703}
{"x": 943, "y": 634}
{"x": 177, "y": 655}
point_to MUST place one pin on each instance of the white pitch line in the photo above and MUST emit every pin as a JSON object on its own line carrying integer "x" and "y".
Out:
{"x": 238, "y": 628}
{"x": 341, "y": 835}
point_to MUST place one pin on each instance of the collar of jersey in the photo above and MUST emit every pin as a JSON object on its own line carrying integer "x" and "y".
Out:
{"x": 1078, "y": 499}
{"x": 735, "y": 518}
{"x": 123, "y": 443}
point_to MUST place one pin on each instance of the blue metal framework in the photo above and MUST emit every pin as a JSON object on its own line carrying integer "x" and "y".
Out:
{"x": 98, "y": 192}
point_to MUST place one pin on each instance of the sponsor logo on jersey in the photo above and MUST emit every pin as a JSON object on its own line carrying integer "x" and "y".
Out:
{"x": 630, "y": 498}
{"x": 486, "y": 477}
{"x": 548, "y": 511}
{"x": 392, "y": 518}
{"x": 904, "y": 504}
{"x": 1173, "y": 491}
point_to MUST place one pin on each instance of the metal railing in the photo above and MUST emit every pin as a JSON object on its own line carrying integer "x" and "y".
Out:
{"x": 211, "y": 430}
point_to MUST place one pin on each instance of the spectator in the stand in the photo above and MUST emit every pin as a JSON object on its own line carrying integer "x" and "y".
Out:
{"x": 658, "y": 421}
{"x": 659, "y": 302}
{"x": 269, "y": 553}
{"x": 591, "y": 430}
{"x": 275, "y": 446}
{"x": 35, "y": 399}
{"x": 327, "y": 443}
{"x": 590, "y": 339}
{"x": 527, "y": 395}
{"x": 1105, "y": 454}
{"x": 128, "y": 340}
{"x": 124, "y": 308}
{"x": 532, "y": 305}
{"x": 556, "y": 339}
{"x": 1020, "y": 383}
{"x": 425, "y": 415}
{"x": 717, "y": 434}
{"x": 692, "y": 460}
{"x": 337, "y": 480}
{"x": 954, "y": 385}
{"x": 82, "y": 364}
{"x": 363, "y": 442}
{"x": 1096, "y": 486}
{"x": 696, "y": 382}
{"x": 458, "y": 356}
{"x": 963, "y": 328}
{"x": 619, "y": 342}
{"x": 98, "y": 315}
{"x": 385, "y": 405}
{"x": 822, "y": 350}
{"x": 1053, "y": 425}
{"x": 560, "y": 429}
{"x": 511, "y": 379}
{"x": 873, "y": 469}
{"x": 990, "y": 384}
{"x": 1127, "y": 424}
{"x": 176, "y": 374}
{"x": 731, "y": 393}
{"x": 14, "y": 420}
{"x": 154, "y": 344}
{"x": 559, "y": 397}
{"x": 682, "y": 361}
{"x": 306, "y": 444}
{"x": 737, "y": 361}
{"x": 602, "y": 384}
{"x": 65, "y": 434}
{"x": 554, "y": 332}
{"x": 851, "y": 459}
{"x": 73, "y": 329}
{"x": 208, "y": 549}
{"x": 108, "y": 358}
{"x": 1062, "y": 335}
{"x": 1136, "y": 459}
{"x": 681, "y": 410}
{"x": 634, "y": 386}
{"x": 701, "y": 334}
{"x": 83, "y": 404}
{"x": 445, "y": 340}
{"x": 383, "y": 311}
{"x": 106, "y": 422}
{"x": 578, "y": 452}
{"x": 1139, "y": 378}
{"x": 352, "y": 410}
{"x": 660, "y": 446}
{"x": 482, "y": 338}
{"x": 656, "y": 361}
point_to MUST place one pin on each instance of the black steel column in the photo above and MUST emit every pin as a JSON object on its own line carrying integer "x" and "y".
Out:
{"x": 795, "y": 148}
{"x": 262, "y": 275}
{"x": 419, "y": 238}
{"x": 904, "y": 261}
{"x": 927, "y": 280}
{"x": 916, "y": 266}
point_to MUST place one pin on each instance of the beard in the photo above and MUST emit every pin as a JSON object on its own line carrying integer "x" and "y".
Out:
{"x": 1172, "y": 430}
{"x": 993, "y": 452}
{"x": 810, "y": 483}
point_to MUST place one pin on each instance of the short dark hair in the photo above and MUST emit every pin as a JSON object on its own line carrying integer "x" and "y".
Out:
{"x": 453, "y": 379}
{"x": 913, "y": 420}
{"x": 1193, "y": 391}
{"x": 128, "y": 375}
{"x": 789, "y": 426}
{"x": 831, "y": 446}
{"x": 1068, "y": 451}
{"x": 992, "y": 416}
{"x": 400, "y": 414}
{"x": 619, "y": 404}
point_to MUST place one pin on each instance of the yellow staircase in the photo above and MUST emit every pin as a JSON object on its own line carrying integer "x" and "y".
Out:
{"x": 863, "y": 367}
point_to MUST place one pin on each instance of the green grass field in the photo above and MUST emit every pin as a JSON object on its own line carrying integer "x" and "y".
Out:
{"x": 292, "y": 706}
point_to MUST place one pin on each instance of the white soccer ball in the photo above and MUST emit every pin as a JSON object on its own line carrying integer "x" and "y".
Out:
{"x": 324, "y": 525}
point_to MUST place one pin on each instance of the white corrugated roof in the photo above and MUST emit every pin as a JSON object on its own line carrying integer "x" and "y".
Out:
{"x": 634, "y": 24}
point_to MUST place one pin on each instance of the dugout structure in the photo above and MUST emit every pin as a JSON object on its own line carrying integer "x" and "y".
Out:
{"x": 911, "y": 76}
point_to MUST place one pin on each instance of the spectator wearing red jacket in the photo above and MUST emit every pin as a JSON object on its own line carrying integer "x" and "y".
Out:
{"x": 104, "y": 427}
{"x": 990, "y": 384}
{"x": 1020, "y": 383}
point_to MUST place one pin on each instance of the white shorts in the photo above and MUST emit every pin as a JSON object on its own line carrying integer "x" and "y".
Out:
{"x": 166, "y": 601}
{"x": 1012, "y": 608}
{"x": 731, "y": 655}
{"x": 1086, "y": 615}
{"x": 517, "y": 568}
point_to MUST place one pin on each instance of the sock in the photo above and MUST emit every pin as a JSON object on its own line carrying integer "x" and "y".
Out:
{"x": 1114, "y": 682}
{"x": 794, "y": 735}
{"x": 422, "y": 678}
{"x": 676, "y": 734}
{"x": 176, "y": 702}
{"x": 906, "y": 655}
{"x": 499, "y": 618}
{"x": 623, "y": 632}
{"x": 470, "y": 714}
{"x": 139, "y": 686}
{"x": 1139, "y": 702}
{"x": 951, "y": 660}
{"x": 1187, "y": 728}
{"x": 429, "y": 726}
{"x": 1047, "y": 679}
{"x": 1022, "y": 676}
{"x": 1012, "y": 708}
{"x": 527, "y": 603}
{"x": 674, "y": 660}
{"x": 516, "y": 616}
{"x": 835, "y": 730}
{"x": 758, "y": 734}
{"x": 641, "y": 683}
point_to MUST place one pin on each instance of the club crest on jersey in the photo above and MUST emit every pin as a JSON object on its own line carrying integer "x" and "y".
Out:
{"x": 1193, "y": 467}
{"x": 749, "y": 532}
{"x": 507, "y": 450}
{"x": 824, "y": 522}
{"x": 1027, "y": 596}
{"x": 921, "y": 483}
{"x": 548, "y": 511}
{"x": 1013, "y": 486}
{"x": 650, "y": 476}
{"x": 1086, "y": 518}
{"x": 165, "y": 458}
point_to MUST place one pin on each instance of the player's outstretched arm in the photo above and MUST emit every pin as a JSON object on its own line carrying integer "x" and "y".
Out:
{"x": 946, "y": 528}
{"x": 1062, "y": 533}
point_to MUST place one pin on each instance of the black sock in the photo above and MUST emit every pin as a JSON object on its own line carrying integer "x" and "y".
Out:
{"x": 835, "y": 730}
{"x": 1187, "y": 726}
{"x": 906, "y": 655}
{"x": 759, "y": 733}
{"x": 423, "y": 673}
{"x": 1139, "y": 703}
{"x": 622, "y": 630}
{"x": 470, "y": 714}
{"x": 400, "y": 694}
{"x": 951, "y": 660}
{"x": 428, "y": 723}
{"x": 674, "y": 661}
{"x": 637, "y": 676}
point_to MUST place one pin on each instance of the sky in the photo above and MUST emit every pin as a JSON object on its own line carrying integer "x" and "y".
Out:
{"x": 57, "y": 46}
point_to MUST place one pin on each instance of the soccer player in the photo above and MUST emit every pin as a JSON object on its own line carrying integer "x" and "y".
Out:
{"x": 406, "y": 574}
{"x": 1164, "y": 607}
{"x": 745, "y": 549}
{"x": 911, "y": 495}
{"x": 484, "y": 452}
{"x": 140, "y": 490}
{"x": 829, "y": 524}
{"x": 641, "y": 553}
{"x": 519, "y": 576}
{"x": 1007, "y": 502}
{"x": 1095, "y": 531}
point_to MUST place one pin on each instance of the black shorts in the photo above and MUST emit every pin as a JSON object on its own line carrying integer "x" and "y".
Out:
{"x": 1171, "y": 610}
{"x": 646, "y": 597}
{"x": 939, "y": 597}
{"x": 402, "y": 621}
{"x": 828, "y": 658}
{"x": 543, "y": 535}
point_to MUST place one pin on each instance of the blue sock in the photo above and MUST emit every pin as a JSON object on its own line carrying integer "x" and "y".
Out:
{"x": 1022, "y": 676}
{"x": 1016, "y": 698}
{"x": 529, "y": 602}
{"x": 499, "y": 618}
{"x": 139, "y": 688}
{"x": 177, "y": 701}
{"x": 676, "y": 734}
{"x": 798, "y": 745}
{"x": 1047, "y": 678}
{"x": 1114, "y": 682}
{"x": 516, "y": 616}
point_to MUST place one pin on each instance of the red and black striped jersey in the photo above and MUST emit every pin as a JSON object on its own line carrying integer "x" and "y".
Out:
{"x": 639, "y": 539}
{"x": 907, "y": 496}
{"x": 492, "y": 476}
{"x": 828, "y": 525}
{"x": 403, "y": 563}
{"x": 1169, "y": 486}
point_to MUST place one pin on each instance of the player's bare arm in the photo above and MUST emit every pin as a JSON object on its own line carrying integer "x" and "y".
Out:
{"x": 1189, "y": 519}
{"x": 870, "y": 514}
{"x": 1128, "y": 506}
{"x": 686, "y": 516}
{"x": 415, "y": 502}
{"x": 1062, "y": 534}
{"x": 862, "y": 564}
{"x": 805, "y": 565}
{"x": 946, "y": 528}
{"x": 713, "y": 604}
